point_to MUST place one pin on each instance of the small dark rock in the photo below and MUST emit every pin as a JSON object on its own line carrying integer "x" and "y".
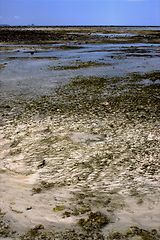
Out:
{"x": 14, "y": 144}
{"x": 41, "y": 164}
{"x": 7, "y": 106}
{"x": 28, "y": 208}
{"x": 36, "y": 190}
{"x": 154, "y": 231}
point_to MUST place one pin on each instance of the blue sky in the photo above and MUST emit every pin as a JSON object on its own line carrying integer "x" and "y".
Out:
{"x": 80, "y": 12}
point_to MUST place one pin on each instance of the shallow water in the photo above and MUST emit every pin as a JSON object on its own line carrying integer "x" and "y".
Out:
{"x": 24, "y": 73}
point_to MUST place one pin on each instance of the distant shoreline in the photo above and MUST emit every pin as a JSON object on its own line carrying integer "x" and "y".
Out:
{"x": 80, "y": 34}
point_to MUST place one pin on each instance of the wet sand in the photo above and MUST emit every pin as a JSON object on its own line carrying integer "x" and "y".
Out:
{"x": 80, "y": 133}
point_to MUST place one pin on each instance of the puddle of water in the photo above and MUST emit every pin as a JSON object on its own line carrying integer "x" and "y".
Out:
{"x": 105, "y": 34}
{"x": 114, "y": 35}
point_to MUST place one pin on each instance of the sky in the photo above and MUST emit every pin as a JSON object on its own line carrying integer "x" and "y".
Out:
{"x": 80, "y": 12}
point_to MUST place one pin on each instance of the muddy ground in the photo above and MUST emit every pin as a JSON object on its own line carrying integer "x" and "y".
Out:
{"x": 80, "y": 133}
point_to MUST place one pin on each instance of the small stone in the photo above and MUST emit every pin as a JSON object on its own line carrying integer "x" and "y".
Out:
{"x": 36, "y": 190}
{"x": 28, "y": 208}
{"x": 154, "y": 231}
{"x": 7, "y": 106}
{"x": 14, "y": 144}
{"x": 41, "y": 164}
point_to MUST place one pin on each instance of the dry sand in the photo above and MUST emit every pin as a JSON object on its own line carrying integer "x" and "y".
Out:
{"x": 127, "y": 196}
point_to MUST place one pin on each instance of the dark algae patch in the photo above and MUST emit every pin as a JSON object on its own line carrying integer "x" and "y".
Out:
{"x": 39, "y": 232}
{"x": 137, "y": 233}
{"x": 99, "y": 96}
{"x": 68, "y": 47}
{"x": 78, "y": 65}
{"x": 95, "y": 221}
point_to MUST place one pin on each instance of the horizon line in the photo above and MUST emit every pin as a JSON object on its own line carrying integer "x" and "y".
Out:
{"x": 33, "y": 25}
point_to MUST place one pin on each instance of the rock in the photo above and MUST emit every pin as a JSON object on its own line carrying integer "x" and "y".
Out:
{"x": 41, "y": 164}
{"x": 36, "y": 190}
{"x": 14, "y": 144}
{"x": 29, "y": 208}
{"x": 7, "y": 106}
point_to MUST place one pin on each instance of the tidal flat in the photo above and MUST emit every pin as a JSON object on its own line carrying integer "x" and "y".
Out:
{"x": 80, "y": 121}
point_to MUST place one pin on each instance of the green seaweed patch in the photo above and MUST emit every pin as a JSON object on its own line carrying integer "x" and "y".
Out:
{"x": 58, "y": 208}
{"x": 16, "y": 211}
{"x": 98, "y": 96}
{"x": 75, "y": 212}
{"x": 3, "y": 230}
{"x": 2, "y": 213}
{"x": 36, "y": 190}
{"x": 79, "y": 64}
{"x": 135, "y": 232}
{"x": 67, "y": 214}
{"x": 95, "y": 221}
{"x": 146, "y": 235}
{"x": 116, "y": 235}
{"x": 35, "y": 231}
{"x": 84, "y": 209}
